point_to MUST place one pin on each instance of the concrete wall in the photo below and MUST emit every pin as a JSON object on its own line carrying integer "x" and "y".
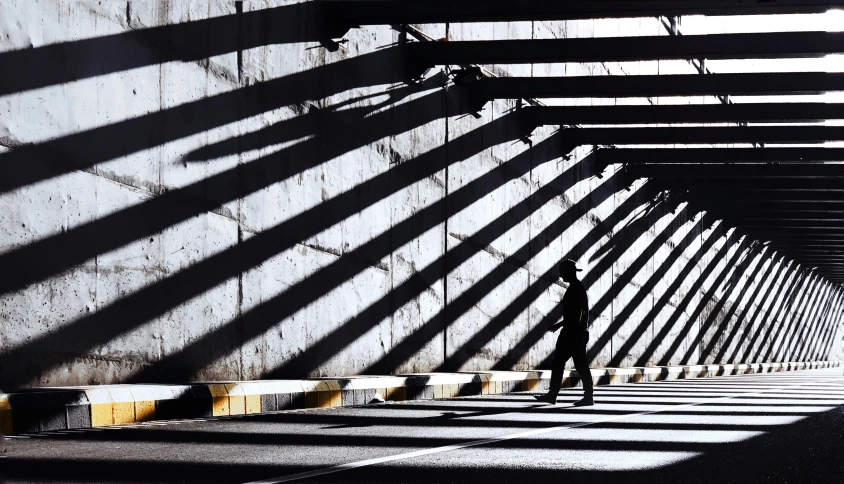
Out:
{"x": 202, "y": 190}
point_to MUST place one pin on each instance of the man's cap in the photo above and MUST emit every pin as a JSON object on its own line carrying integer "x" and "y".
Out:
{"x": 569, "y": 264}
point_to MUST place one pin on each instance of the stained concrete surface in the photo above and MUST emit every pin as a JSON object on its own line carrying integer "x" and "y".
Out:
{"x": 782, "y": 427}
{"x": 235, "y": 201}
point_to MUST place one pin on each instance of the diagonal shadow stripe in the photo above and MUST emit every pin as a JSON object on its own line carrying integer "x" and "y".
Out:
{"x": 811, "y": 343}
{"x": 733, "y": 264}
{"x": 749, "y": 281}
{"x": 32, "y": 163}
{"x": 758, "y": 297}
{"x": 822, "y": 321}
{"x": 797, "y": 293}
{"x": 810, "y": 297}
{"x": 256, "y": 321}
{"x": 353, "y": 329}
{"x": 812, "y": 324}
{"x": 799, "y": 317}
{"x": 152, "y": 301}
{"x": 52, "y": 255}
{"x": 624, "y": 278}
{"x": 608, "y": 334}
{"x": 523, "y": 346}
{"x": 472, "y": 296}
{"x": 832, "y": 331}
{"x": 691, "y": 292}
{"x": 630, "y": 232}
{"x": 693, "y": 234}
{"x": 786, "y": 271}
{"x": 774, "y": 322}
{"x": 715, "y": 310}
{"x": 188, "y": 41}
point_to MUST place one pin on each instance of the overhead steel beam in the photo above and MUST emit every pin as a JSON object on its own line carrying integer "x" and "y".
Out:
{"x": 820, "y": 263}
{"x": 808, "y": 252}
{"x": 742, "y": 195}
{"x": 757, "y": 206}
{"x": 833, "y": 258}
{"x": 620, "y": 49}
{"x": 726, "y": 184}
{"x": 833, "y": 227}
{"x": 741, "y": 215}
{"x": 819, "y": 256}
{"x": 838, "y": 257}
{"x": 827, "y": 229}
{"x": 832, "y": 248}
{"x": 702, "y": 135}
{"x": 816, "y": 255}
{"x": 344, "y": 14}
{"x": 780, "y": 170}
{"x": 791, "y": 212}
{"x": 796, "y": 236}
{"x": 534, "y": 116}
{"x": 809, "y": 245}
{"x": 792, "y": 222}
{"x": 772, "y": 241}
{"x": 716, "y": 155}
{"x": 747, "y": 84}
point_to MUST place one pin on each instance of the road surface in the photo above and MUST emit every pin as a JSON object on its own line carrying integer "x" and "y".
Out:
{"x": 782, "y": 427}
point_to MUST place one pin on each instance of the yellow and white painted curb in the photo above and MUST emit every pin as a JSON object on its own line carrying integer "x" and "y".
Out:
{"x": 46, "y": 409}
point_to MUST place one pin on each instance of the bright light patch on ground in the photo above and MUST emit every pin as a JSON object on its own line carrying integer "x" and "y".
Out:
{"x": 578, "y": 460}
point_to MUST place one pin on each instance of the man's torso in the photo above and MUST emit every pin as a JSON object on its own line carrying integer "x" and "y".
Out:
{"x": 575, "y": 309}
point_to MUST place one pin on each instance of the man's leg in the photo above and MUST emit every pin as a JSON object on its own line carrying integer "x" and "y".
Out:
{"x": 558, "y": 367}
{"x": 581, "y": 364}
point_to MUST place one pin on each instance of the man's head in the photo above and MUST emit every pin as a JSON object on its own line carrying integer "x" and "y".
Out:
{"x": 569, "y": 270}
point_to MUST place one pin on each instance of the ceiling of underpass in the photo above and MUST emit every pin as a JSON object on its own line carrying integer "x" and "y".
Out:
{"x": 754, "y": 139}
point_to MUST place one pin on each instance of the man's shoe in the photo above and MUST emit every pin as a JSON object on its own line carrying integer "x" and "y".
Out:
{"x": 586, "y": 401}
{"x": 549, "y": 399}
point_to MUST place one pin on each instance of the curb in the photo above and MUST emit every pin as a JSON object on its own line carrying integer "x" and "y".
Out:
{"x": 43, "y": 410}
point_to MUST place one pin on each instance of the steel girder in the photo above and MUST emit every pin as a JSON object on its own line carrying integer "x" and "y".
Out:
{"x": 757, "y": 206}
{"x": 747, "y": 215}
{"x": 740, "y": 194}
{"x": 701, "y": 135}
{"x": 534, "y": 116}
{"x": 831, "y": 227}
{"x": 797, "y": 236}
{"x": 730, "y": 171}
{"x": 718, "y": 184}
{"x": 752, "y": 84}
{"x": 717, "y": 155}
{"x": 340, "y": 15}
{"x": 620, "y": 49}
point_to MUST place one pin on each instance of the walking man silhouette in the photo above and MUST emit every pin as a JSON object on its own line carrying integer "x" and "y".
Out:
{"x": 573, "y": 338}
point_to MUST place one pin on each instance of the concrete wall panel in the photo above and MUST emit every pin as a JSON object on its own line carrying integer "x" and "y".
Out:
{"x": 326, "y": 217}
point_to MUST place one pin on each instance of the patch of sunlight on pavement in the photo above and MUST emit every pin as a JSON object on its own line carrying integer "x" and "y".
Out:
{"x": 645, "y": 435}
{"x": 703, "y": 420}
{"x": 583, "y": 460}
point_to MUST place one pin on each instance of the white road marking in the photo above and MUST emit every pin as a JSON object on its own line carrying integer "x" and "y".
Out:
{"x": 475, "y": 443}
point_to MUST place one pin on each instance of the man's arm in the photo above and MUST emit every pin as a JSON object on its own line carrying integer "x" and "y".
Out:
{"x": 584, "y": 310}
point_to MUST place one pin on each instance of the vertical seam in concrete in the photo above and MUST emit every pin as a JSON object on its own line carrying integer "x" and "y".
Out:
{"x": 531, "y": 208}
{"x": 829, "y": 341}
{"x": 445, "y": 220}
{"x": 814, "y": 320}
{"x": 828, "y": 324}
{"x": 238, "y": 6}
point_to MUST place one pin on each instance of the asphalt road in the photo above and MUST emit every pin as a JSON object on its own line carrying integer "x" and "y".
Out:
{"x": 783, "y": 427}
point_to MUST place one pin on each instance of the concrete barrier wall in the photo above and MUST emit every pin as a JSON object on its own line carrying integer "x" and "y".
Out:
{"x": 45, "y": 410}
{"x": 205, "y": 191}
